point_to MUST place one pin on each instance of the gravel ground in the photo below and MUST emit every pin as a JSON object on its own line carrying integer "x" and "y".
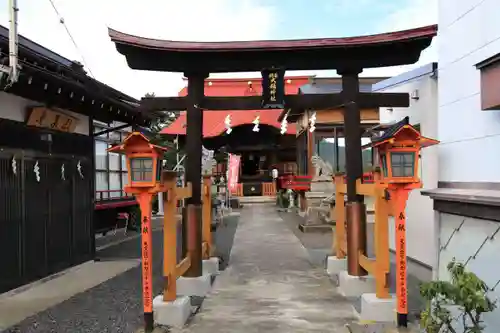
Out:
{"x": 115, "y": 305}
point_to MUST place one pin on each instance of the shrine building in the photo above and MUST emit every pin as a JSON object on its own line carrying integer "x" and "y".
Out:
{"x": 260, "y": 151}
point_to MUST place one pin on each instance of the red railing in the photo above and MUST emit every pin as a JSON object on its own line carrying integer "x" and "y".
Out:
{"x": 296, "y": 183}
{"x": 367, "y": 178}
{"x": 303, "y": 183}
{"x": 113, "y": 198}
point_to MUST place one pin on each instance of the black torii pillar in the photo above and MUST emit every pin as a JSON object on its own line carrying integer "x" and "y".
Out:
{"x": 355, "y": 206}
{"x": 192, "y": 225}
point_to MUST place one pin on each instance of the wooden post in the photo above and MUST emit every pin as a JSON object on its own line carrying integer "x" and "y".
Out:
{"x": 194, "y": 139}
{"x": 381, "y": 239}
{"x": 340, "y": 229}
{"x": 355, "y": 207}
{"x": 207, "y": 216}
{"x": 169, "y": 238}
{"x": 399, "y": 197}
{"x": 144, "y": 199}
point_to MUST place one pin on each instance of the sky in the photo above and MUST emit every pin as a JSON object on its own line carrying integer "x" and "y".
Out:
{"x": 206, "y": 20}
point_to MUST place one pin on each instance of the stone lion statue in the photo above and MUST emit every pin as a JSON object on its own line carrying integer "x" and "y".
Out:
{"x": 323, "y": 169}
{"x": 207, "y": 161}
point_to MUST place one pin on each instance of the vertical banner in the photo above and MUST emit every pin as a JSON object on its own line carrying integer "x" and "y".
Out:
{"x": 273, "y": 88}
{"x": 233, "y": 172}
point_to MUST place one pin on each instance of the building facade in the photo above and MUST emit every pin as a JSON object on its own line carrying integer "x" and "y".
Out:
{"x": 47, "y": 161}
{"x": 466, "y": 201}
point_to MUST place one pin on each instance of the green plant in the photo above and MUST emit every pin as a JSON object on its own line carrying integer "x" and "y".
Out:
{"x": 465, "y": 292}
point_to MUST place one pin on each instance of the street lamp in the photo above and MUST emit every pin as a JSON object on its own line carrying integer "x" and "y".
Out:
{"x": 144, "y": 180}
{"x": 399, "y": 154}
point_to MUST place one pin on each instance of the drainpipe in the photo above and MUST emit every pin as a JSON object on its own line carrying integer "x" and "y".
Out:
{"x": 13, "y": 43}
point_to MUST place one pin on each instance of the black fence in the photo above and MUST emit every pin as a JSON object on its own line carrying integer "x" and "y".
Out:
{"x": 46, "y": 211}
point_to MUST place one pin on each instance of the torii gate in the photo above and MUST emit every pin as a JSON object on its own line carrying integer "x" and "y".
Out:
{"x": 349, "y": 56}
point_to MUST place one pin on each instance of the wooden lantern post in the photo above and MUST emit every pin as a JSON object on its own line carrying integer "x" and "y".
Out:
{"x": 144, "y": 181}
{"x": 399, "y": 150}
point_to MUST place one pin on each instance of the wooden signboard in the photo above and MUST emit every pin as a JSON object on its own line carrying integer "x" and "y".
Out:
{"x": 273, "y": 89}
{"x": 47, "y": 118}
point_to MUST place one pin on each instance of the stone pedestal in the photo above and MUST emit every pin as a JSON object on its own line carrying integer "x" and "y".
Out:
{"x": 355, "y": 286}
{"x": 173, "y": 314}
{"x": 194, "y": 286}
{"x": 324, "y": 185}
{"x": 377, "y": 309}
{"x": 211, "y": 266}
{"x": 334, "y": 265}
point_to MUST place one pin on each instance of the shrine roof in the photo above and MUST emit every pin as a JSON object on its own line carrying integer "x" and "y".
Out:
{"x": 386, "y": 49}
{"x": 213, "y": 121}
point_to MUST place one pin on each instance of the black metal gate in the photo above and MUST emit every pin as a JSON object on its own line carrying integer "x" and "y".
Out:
{"x": 45, "y": 214}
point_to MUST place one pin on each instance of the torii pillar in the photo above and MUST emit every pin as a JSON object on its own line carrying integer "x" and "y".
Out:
{"x": 192, "y": 226}
{"x": 355, "y": 206}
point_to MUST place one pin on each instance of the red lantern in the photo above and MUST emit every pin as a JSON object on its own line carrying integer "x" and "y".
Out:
{"x": 144, "y": 180}
{"x": 399, "y": 154}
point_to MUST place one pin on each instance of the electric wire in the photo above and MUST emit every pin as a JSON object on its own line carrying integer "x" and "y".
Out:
{"x": 61, "y": 20}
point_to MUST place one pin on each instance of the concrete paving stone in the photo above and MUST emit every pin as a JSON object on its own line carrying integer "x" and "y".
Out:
{"x": 270, "y": 284}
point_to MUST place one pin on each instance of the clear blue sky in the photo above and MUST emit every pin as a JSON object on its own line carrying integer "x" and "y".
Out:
{"x": 332, "y": 18}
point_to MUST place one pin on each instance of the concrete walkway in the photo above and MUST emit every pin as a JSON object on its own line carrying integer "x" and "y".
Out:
{"x": 270, "y": 285}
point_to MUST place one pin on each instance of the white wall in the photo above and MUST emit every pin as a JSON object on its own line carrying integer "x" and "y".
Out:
{"x": 419, "y": 211}
{"x": 469, "y": 32}
{"x": 15, "y": 108}
{"x": 461, "y": 238}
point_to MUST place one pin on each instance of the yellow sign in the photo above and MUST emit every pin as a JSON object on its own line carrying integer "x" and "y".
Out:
{"x": 47, "y": 118}
{"x": 273, "y": 80}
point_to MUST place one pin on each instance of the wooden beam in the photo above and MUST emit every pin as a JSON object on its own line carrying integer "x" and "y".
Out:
{"x": 316, "y": 101}
{"x": 183, "y": 266}
{"x": 152, "y": 104}
{"x": 375, "y": 100}
{"x": 296, "y": 102}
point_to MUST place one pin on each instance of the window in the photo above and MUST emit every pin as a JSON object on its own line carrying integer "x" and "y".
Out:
{"x": 384, "y": 164}
{"x": 490, "y": 82}
{"x": 403, "y": 164}
{"x": 101, "y": 185}
{"x": 101, "y": 155}
{"x": 115, "y": 184}
{"x": 367, "y": 155}
{"x": 302, "y": 160}
{"x": 326, "y": 150}
{"x": 111, "y": 168}
{"x": 114, "y": 161}
{"x": 142, "y": 169}
{"x": 124, "y": 179}
{"x": 158, "y": 169}
{"x": 334, "y": 153}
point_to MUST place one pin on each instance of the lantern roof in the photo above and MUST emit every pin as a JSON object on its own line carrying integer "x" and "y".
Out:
{"x": 396, "y": 130}
{"x": 134, "y": 138}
